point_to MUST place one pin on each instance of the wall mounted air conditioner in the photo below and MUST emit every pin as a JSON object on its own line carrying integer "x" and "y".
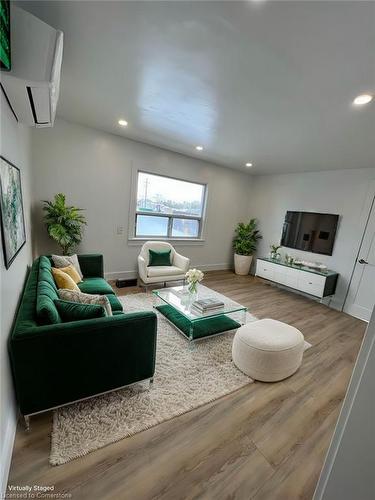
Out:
{"x": 32, "y": 86}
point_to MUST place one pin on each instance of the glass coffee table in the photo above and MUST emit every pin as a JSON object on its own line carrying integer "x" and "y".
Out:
{"x": 176, "y": 305}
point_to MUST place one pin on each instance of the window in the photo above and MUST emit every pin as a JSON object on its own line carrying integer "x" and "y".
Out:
{"x": 168, "y": 208}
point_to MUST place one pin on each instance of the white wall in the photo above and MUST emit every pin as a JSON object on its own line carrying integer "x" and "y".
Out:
{"x": 15, "y": 147}
{"x": 94, "y": 170}
{"x": 344, "y": 192}
{"x": 348, "y": 472}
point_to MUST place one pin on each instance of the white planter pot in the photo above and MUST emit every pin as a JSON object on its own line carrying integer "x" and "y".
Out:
{"x": 242, "y": 264}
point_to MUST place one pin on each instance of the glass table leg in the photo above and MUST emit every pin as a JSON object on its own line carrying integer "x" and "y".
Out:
{"x": 191, "y": 337}
{"x": 243, "y": 317}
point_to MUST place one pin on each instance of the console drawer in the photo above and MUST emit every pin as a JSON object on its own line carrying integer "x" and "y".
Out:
{"x": 311, "y": 283}
{"x": 265, "y": 269}
{"x": 313, "y": 278}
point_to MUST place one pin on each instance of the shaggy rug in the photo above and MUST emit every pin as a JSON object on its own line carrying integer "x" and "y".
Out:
{"x": 184, "y": 379}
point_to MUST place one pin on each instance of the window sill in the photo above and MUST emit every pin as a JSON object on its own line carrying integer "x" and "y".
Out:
{"x": 173, "y": 241}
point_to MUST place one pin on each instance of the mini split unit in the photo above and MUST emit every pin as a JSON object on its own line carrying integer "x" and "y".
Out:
{"x": 33, "y": 83}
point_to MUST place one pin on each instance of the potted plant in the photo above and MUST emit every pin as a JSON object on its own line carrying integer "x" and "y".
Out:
{"x": 64, "y": 223}
{"x": 274, "y": 253}
{"x": 244, "y": 244}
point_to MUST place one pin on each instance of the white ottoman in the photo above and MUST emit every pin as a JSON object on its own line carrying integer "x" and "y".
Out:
{"x": 268, "y": 350}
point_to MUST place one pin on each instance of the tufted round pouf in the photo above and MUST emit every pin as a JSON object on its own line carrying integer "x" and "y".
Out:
{"x": 268, "y": 350}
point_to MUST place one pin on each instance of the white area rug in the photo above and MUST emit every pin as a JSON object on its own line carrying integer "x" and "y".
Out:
{"x": 184, "y": 379}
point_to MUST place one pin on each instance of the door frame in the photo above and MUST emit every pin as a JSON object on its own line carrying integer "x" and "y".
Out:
{"x": 369, "y": 206}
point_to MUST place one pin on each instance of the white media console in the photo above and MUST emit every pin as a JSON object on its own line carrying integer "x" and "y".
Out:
{"x": 317, "y": 283}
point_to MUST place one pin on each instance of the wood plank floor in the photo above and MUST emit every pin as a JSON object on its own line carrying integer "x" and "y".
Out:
{"x": 265, "y": 441}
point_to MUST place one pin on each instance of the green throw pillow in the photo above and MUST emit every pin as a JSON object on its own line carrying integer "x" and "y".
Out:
{"x": 159, "y": 258}
{"x": 74, "y": 311}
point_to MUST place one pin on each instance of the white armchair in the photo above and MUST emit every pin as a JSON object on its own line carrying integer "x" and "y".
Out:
{"x": 161, "y": 274}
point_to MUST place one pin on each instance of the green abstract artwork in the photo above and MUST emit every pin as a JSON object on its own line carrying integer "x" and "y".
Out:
{"x": 12, "y": 217}
{"x": 5, "y": 62}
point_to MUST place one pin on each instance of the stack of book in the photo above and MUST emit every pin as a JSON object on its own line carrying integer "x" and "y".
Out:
{"x": 207, "y": 305}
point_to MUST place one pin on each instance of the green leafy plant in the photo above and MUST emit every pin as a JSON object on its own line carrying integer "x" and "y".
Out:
{"x": 275, "y": 248}
{"x": 246, "y": 238}
{"x": 64, "y": 223}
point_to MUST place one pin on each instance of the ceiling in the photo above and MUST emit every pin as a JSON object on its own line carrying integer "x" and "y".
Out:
{"x": 270, "y": 83}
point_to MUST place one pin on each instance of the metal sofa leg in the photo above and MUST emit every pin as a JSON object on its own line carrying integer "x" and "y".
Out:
{"x": 141, "y": 285}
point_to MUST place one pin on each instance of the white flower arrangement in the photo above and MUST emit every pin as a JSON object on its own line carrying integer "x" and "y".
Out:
{"x": 194, "y": 276}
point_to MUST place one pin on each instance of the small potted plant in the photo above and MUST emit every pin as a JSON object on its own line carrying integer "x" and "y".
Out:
{"x": 244, "y": 245}
{"x": 274, "y": 254}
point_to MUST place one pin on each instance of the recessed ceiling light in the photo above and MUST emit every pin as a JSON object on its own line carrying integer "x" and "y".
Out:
{"x": 249, "y": 164}
{"x": 123, "y": 123}
{"x": 199, "y": 148}
{"x": 362, "y": 99}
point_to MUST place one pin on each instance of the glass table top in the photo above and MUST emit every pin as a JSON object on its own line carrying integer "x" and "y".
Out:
{"x": 180, "y": 299}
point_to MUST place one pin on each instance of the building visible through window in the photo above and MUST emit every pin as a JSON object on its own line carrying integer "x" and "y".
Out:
{"x": 168, "y": 207}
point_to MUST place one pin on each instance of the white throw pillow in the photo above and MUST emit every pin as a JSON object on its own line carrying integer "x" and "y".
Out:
{"x": 85, "y": 298}
{"x": 67, "y": 260}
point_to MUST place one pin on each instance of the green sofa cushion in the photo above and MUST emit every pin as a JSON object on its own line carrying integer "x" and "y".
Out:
{"x": 73, "y": 311}
{"x": 159, "y": 258}
{"x": 45, "y": 262}
{"x": 96, "y": 286}
{"x": 45, "y": 307}
{"x": 46, "y": 275}
{"x": 201, "y": 328}
{"x": 115, "y": 303}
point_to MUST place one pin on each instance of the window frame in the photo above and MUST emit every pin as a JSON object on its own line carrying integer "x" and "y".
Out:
{"x": 134, "y": 213}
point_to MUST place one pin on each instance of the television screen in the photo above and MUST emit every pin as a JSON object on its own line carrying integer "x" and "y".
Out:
{"x": 5, "y": 34}
{"x": 309, "y": 231}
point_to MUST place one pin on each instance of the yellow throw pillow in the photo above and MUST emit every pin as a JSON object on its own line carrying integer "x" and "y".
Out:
{"x": 63, "y": 280}
{"x": 73, "y": 273}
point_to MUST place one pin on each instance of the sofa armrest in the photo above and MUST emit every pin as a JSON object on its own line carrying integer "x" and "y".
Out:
{"x": 142, "y": 268}
{"x": 87, "y": 327}
{"x": 56, "y": 364}
{"x": 92, "y": 265}
{"x": 181, "y": 262}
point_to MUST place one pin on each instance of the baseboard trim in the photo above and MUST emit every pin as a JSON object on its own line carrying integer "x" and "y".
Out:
{"x": 6, "y": 453}
{"x": 113, "y": 275}
{"x": 214, "y": 267}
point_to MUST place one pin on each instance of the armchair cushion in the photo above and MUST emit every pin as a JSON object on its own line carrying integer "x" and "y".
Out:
{"x": 159, "y": 257}
{"x": 160, "y": 271}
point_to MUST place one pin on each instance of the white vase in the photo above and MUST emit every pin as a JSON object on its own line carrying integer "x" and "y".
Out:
{"x": 242, "y": 264}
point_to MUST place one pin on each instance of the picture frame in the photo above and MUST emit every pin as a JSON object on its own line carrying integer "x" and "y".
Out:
{"x": 5, "y": 47}
{"x": 11, "y": 211}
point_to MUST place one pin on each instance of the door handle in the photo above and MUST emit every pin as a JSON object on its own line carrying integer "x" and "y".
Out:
{"x": 362, "y": 261}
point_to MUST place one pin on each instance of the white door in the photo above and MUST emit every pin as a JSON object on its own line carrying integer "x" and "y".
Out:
{"x": 361, "y": 296}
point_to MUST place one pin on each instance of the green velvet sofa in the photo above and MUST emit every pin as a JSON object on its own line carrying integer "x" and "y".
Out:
{"x": 55, "y": 363}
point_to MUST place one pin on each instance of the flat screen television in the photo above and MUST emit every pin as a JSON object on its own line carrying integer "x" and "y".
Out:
{"x": 310, "y": 231}
{"x": 5, "y": 35}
